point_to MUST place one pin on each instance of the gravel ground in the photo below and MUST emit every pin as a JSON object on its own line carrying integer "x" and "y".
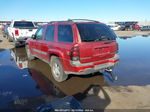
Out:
{"x": 4, "y": 44}
{"x": 131, "y": 33}
{"x": 119, "y": 97}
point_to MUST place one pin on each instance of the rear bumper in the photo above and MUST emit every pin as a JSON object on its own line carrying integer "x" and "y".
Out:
{"x": 19, "y": 41}
{"x": 83, "y": 69}
{"x": 22, "y": 39}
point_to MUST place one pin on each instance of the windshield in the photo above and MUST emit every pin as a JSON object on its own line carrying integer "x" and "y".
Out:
{"x": 23, "y": 24}
{"x": 95, "y": 32}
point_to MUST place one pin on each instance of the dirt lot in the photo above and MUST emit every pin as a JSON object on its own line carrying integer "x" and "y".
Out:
{"x": 131, "y": 33}
{"x": 4, "y": 44}
{"x": 113, "y": 97}
{"x": 119, "y": 97}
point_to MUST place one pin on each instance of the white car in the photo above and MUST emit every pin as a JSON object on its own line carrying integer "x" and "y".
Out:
{"x": 19, "y": 56}
{"x": 115, "y": 27}
{"x": 19, "y": 31}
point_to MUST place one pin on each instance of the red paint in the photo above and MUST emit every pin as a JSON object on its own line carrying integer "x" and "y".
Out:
{"x": 137, "y": 27}
{"x": 96, "y": 53}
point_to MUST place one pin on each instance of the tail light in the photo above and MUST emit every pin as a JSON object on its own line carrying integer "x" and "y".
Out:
{"x": 75, "y": 54}
{"x": 16, "y": 32}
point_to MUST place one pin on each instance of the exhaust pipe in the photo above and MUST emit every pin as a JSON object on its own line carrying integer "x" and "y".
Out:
{"x": 113, "y": 76}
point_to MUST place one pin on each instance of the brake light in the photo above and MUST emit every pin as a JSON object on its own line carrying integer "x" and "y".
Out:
{"x": 16, "y": 32}
{"x": 75, "y": 54}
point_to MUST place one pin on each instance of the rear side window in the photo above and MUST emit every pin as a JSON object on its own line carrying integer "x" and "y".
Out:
{"x": 23, "y": 24}
{"x": 90, "y": 32}
{"x": 65, "y": 33}
{"x": 49, "y": 35}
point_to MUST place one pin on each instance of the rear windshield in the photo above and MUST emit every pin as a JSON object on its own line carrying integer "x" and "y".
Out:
{"x": 23, "y": 24}
{"x": 90, "y": 32}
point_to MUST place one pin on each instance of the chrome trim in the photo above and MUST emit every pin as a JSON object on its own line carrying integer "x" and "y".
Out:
{"x": 101, "y": 68}
{"x": 78, "y": 63}
{"x": 41, "y": 52}
{"x": 86, "y": 58}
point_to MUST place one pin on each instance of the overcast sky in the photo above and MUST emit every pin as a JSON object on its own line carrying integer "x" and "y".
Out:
{"x": 101, "y": 10}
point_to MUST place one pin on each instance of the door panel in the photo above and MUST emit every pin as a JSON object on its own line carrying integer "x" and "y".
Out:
{"x": 33, "y": 46}
{"x": 47, "y": 42}
{"x": 37, "y": 42}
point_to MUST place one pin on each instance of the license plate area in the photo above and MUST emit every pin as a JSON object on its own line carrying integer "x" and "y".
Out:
{"x": 102, "y": 50}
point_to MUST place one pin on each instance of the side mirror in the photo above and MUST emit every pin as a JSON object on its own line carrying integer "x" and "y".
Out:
{"x": 33, "y": 36}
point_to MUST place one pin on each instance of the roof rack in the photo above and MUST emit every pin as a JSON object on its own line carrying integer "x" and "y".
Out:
{"x": 59, "y": 21}
{"x": 74, "y": 20}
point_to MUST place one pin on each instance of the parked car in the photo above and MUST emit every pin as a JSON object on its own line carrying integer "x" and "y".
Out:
{"x": 19, "y": 31}
{"x": 37, "y": 24}
{"x": 74, "y": 47}
{"x": 5, "y": 31}
{"x": 132, "y": 25}
{"x": 2, "y": 27}
{"x": 136, "y": 27}
{"x": 115, "y": 27}
{"x": 145, "y": 28}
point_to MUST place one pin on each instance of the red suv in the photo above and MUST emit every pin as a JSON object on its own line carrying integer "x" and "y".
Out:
{"x": 74, "y": 47}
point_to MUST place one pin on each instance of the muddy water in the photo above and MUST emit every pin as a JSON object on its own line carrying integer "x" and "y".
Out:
{"x": 28, "y": 84}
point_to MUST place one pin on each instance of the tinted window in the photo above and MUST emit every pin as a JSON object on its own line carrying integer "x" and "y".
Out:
{"x": 65, "y": 33}
{"x": 23, "y": 24}
{"x": 39, "y": 33}
{"x": 95, "y": 32}
{"x": 49, "y": 35}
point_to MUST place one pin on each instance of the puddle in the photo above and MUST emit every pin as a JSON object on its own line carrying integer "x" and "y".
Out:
{"x": 12, "y": 82}
{"x": 134, "y": 65}
{"x": 29, "y": 84}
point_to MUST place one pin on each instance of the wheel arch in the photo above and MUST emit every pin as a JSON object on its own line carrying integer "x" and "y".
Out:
{"x": 51, "y": 55}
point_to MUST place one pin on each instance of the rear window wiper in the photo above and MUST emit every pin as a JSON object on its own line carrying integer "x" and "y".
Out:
{"x": 102, "y": 38}
{"x": 87, "y": 40}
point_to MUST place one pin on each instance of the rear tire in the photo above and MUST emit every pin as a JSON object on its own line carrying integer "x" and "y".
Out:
{"x": 29, "y": 55}
{"x": 57, "y": 69}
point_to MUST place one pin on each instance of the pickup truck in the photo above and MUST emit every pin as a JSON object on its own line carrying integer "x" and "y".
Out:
{"x": 20, "y": 31}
